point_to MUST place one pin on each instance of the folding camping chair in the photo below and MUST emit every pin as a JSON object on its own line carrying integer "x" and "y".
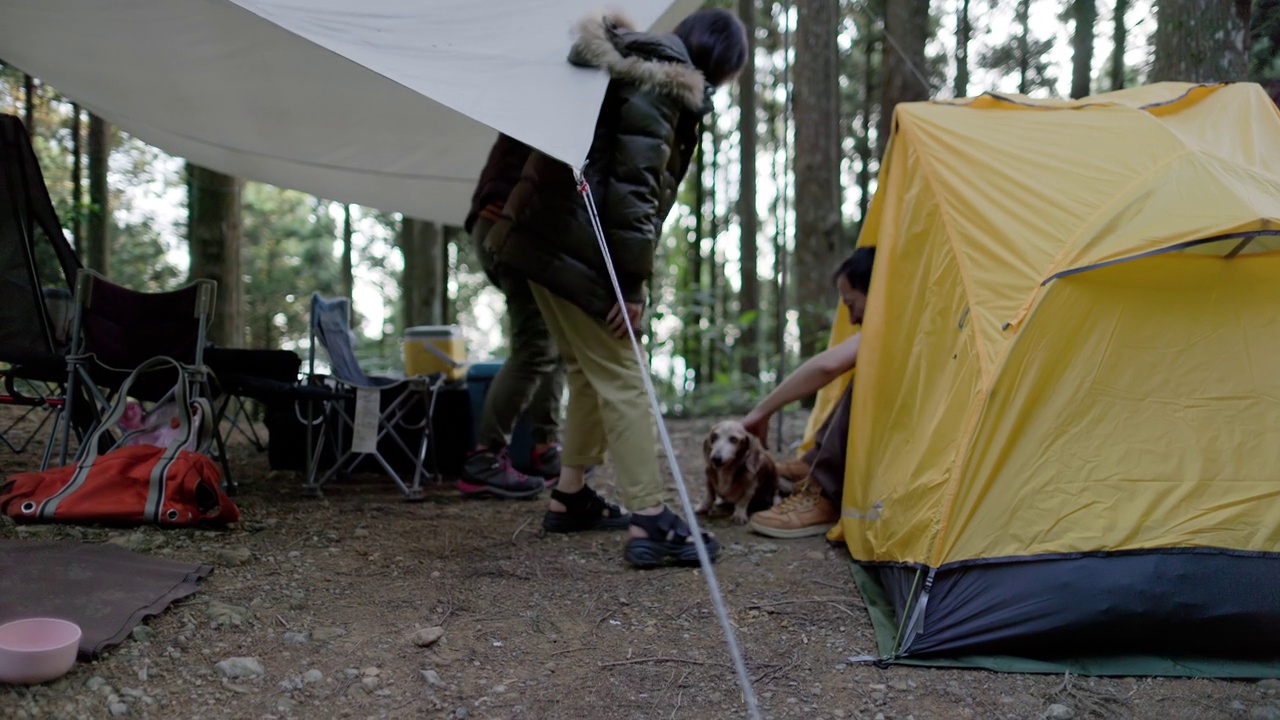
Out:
{"x": 243, "y": 375}
{"x": 374, "y": 410}
{"x": 35, "y": 287}
{"x": 115, "y": 329}
{"x": 35, "y": 380}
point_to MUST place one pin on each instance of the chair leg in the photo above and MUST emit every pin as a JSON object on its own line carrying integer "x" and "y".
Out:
{"x": 242, "y": 412}
{"x": 329, "y": 417}
{"x": 200, "y": 387}
{"x": 390, "y": 418}
{"x": 69, "y": 409}
{"x": 234, "y": 419}
{"x": 228, "y": 483}
{"x": 310, "y": 487}
{"x": 53, "y": 434}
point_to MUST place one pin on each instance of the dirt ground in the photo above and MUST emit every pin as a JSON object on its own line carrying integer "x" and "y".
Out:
{"x": 327, "y": 594}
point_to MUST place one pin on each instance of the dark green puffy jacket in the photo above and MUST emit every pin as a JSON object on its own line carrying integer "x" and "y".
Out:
{"x": 644, "y": 140}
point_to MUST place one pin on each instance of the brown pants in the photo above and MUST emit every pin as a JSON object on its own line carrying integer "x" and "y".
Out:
{"x": 830, "y": 449}
{"x": 531, "y": 381}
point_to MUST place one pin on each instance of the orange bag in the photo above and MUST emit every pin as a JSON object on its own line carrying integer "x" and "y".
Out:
{"x": 171, "y": 486}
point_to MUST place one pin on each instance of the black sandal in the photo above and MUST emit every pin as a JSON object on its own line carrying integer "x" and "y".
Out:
{"x": 584, "y": 510}
{"x": 668, "y": 539}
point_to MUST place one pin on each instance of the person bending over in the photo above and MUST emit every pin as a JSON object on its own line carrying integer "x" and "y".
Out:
{"x": 659, "y": 90}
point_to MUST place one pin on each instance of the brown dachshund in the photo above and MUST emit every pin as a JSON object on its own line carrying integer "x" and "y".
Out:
{"x": 739, "y": 471}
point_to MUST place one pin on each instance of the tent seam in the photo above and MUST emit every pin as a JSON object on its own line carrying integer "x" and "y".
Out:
{"x": 1106, "y": 210}
{"x": 971, "y": 436}
{"x": 944, "y": 213}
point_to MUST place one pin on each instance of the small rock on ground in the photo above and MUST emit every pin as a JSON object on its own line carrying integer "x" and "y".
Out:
{"x": 1058, "y": 711}
{"x": 426, "y": 637}
{"x": 137, "y": 542}
{"x": 240, "y": 667}
{"x": 232, "y": 557}
{"x": 225, "y": 614}
{"x": 327, "y": 633}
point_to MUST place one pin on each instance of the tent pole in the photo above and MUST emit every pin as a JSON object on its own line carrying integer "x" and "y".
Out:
{"x": 1240, "y": 246}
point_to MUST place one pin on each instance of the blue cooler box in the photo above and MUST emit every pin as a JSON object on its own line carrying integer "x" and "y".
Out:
{"x": 479, "y": 378}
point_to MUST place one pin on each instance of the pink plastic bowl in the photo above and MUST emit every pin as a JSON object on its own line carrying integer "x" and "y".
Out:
{"x": 37, "y": 650}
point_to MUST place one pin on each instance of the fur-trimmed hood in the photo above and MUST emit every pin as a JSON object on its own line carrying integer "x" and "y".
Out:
{"x": 657, "y": 63}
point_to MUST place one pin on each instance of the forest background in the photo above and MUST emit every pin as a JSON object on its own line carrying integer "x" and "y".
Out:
{"x": 782, "y": 179}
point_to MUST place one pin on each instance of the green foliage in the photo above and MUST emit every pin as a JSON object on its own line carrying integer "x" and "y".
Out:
{"x": 291, "y": 240}
{"x": 145, "y": 254}
{"x": 1022, "y": 55}
{"x": 289, "y": 252}
{"x": 141, "y": 258}
{"x": 1264, "y": 50}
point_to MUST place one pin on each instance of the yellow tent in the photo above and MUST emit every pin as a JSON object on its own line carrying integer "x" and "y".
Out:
{"x": 1066, "y": 419}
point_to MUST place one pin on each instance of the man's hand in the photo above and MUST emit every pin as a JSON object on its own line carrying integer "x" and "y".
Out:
{"x": 757, "y": 424}
{"x": 618, "y": 320}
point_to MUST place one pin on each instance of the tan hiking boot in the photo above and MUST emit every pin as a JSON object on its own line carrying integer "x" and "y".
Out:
{"x": 806, "y": 513}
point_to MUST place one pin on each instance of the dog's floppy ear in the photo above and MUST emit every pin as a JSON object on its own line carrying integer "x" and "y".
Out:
{"x": 755, "y": 454}
{"x": 706, "y": 443}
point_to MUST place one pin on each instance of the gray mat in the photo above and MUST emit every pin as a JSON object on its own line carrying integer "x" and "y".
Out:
{"x": 103, "y": 588}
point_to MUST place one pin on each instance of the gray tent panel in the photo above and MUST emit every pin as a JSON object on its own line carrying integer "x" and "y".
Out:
{"x": 1192, "y": 613}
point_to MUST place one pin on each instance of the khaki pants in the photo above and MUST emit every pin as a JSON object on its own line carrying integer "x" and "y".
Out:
{"x": 608, "y": 407}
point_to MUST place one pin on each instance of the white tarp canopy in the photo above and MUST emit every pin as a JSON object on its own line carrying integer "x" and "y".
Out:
{"x": 387, "y": 103}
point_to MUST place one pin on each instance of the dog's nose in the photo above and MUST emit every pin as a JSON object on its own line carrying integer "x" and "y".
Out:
{"x": 717, "y": 460}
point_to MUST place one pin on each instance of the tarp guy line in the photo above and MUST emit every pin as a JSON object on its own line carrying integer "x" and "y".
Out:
{"x": 744, "y": 680}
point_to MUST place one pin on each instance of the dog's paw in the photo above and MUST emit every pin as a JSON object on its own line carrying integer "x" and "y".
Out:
{"x": 740, "y": 516}
{"x": 703, "y": 509}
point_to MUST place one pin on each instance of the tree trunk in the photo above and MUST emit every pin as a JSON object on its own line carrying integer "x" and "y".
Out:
{"x": 963, "y": 32}
{"x": 779, "y": 261}
{"x": 906, "y": 26}
{"x": 98, "y": 251}
{"x": 748, "y": 141}
{"x": 408, "y": 246}
{"x": 817, "y": 165}
{"x": 1024, "y": 46}
{"x": 711, "y": 291}
{"x": 213, "y": 238}
{"x": 863, "y": 147}
{"x": 693, "y": 269}
{"x": 1201, "y": 40}
{"x": 449, "y": 235}
{"x": 267, "y": 334}
{"x": 348, "y": 272}
{"x": 1119, "y": 34}
{"x": 1084, "y": 15}
{"x": 29, "y": 105}
{"x": 420, "y": 288}
{"x": 77, "y": 172}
